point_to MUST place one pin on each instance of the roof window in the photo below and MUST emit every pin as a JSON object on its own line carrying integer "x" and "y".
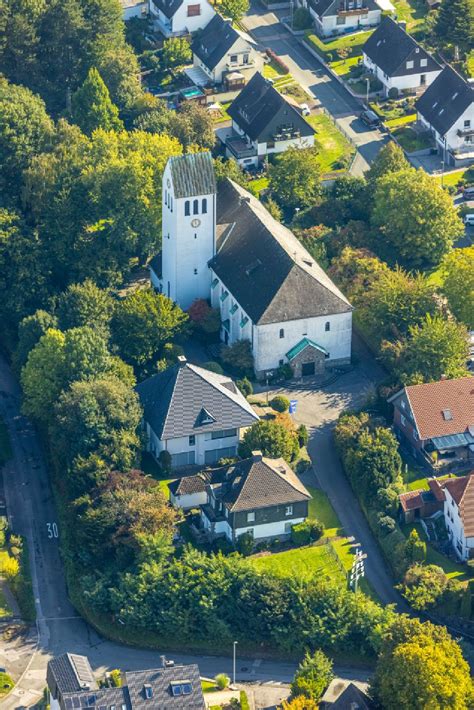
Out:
{"x": 148, "y": 691}
{"x": 184, "y": 687}
{"x": 455, "y": 95}
{"x": 447, "y": 415}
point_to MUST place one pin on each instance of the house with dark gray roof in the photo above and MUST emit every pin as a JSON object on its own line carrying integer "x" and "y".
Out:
{"x": 259, "y": 495}
{"x": 332, "y": 17}
{"x": 263, "y": 123}
{"x": 72, "y": 686}
{"x": 194, "y": 414}
{"x": 221, "y": 51}
{"x": 400, "y": 63}
{"x": 224, "y": 246}
{"x": 180, "y": 17}
{"x": 447, "y": 110}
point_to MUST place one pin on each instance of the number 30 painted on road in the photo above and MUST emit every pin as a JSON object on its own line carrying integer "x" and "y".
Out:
{"x": 52, "y": 530}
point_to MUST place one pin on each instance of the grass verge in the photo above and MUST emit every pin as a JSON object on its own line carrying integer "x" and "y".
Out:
{"x": 22, "y": 587}
{"x": 6, "y": 683}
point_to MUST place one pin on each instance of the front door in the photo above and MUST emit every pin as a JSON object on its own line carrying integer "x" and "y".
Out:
{"x": 423, "y": 79}
{"x": 307, "y": 368}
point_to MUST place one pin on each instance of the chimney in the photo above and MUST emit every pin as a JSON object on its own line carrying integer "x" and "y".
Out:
{"x": 403, "y": 25}
{"x": 443, "y": 377}
{"x": 257, "y": 455}
{"x": 182, "y": 360}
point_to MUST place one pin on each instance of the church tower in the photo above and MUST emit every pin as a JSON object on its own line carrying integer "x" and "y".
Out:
{"x": 189, "y": 227}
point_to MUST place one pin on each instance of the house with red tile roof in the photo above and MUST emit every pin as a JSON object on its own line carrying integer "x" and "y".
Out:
{"x": 436, "y": 421}
{"x": 457, "y": 496}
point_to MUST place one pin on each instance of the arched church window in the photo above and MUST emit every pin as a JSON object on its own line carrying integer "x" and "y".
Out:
{"x": 196, "y": 207}
{"x": 282, "y": 333}
{"x": 327, "y": 326}
{"x": 171, "y": 203}
{"x": 204, "y": 206}
{"x": 187, "y": 208}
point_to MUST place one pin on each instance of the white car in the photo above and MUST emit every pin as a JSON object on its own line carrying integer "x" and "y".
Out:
{"x": 305, "y": 109}
{"x": 469, "y": 219}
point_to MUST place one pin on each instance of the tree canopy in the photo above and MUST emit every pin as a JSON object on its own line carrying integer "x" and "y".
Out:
{"x": 85, "y": 304}
{"x": 458, "y": 284}
{"x": 92, "y": 108}
{"x": 294, "y": 177}
{"x": 313, "y": 676}
{"x": 272, "y": 439}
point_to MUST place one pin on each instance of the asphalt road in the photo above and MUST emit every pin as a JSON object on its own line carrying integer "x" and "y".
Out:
{"x": 32, "y": 513}
{"x": 267, "y": 30}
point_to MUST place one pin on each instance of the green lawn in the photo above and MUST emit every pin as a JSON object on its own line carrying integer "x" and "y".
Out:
{"x": 5, "y": 446}
{"x": 453, "y": 178}
{"x": 400, "y": 121}
{"x": 257, "y": 185}
{"x": 301, "y": 563}
{"x": 335, "y": 150}
{"x": 413, "y": 12}
{"x": 272, "y": 71}
{"x": 208, "y": 686}
{"x": 6, "y": 683}
{"x": 150, "y": 466}
{"x": 328, "y": 50}
{"x": 342, "y": 67}
{"x": 470, "y": 64}
{"x": 453, "y": 570}
{"x": 320, "y": 508}
{"x": 412, "y": 141}
{"x": 224, "y": 116}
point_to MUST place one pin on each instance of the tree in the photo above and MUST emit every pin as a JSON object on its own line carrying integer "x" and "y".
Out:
{"x": 299, "y": 703}
{"x": 424, "y": 585}
{"x": 294, "y": 178}
{"x": 206, "y": 320}
{"x": 434, "y": 348}
{"x": 30, "y": 330}
{"x": 85, "y": 304}
{"x": 272, "y": 439}
{"x": 25, "y": 130}
{"x": 415, "y": 549}
{"x": 313, "y": 676}
{"x": 222, "y": 681}
{"x": 235, "y": 9}
{"x": 313, "y": 239}
{"x": 92, "y": 108}
{"x": 155, "y": 120}
{"x": 416, "y": 220}
{"x": 239, "y": 357}
{"x": 143, "y": 322}
{"x": 192, "y": 125}
{"x": 19, "y": 39}
{"x": 228, "y": 168}
{"x": 374, "y": 462}
{"x": 389, "y": 159}
{"x": 119, "y": 67}
{"x": 455, "y": 24}
{"x": 356, "y": 270}
{"x": 458, "y": 284}
{"x": 421, "y": 666}
{"x": 97, "y": 416}
{"x": 176, "y": 52}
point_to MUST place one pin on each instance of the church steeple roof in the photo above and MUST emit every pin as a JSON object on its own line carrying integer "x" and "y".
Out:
{"x": 193, "y": 174}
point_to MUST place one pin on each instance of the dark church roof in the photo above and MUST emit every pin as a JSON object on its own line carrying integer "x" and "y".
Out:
{"x": 265, "y": 267}
{"x": 258, "y": 103}
{"x": 186, "y": 399}
{"x": 390, "y": 47}
{"x": 445, "y": 100}
{"x": 215, "y": 40}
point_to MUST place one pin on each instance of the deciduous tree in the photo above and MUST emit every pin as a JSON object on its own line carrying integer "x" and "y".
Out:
{"x": 272, "y": 439}
{"x": 294, "y": 178}
{"x": 85, "y": 304}
{"x": 92, "y": 108}
{"x": 235, "y": 9}
{"x": 458, "y": 284}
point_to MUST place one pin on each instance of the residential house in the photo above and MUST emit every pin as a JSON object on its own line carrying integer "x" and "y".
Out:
{"x": 220, "y": 243}
{"x": 447, "y": 110}
{"x": 418, "y": 504}
{"x": 333, "y": 17}
{"x": 436, "y": 421}
{"x": 457, "y": 498}
{"x": 221, "y": 52}
{"x": 181, "y": 17}
{"x": 134, "y": 8}
{"x": 72, "y": 685}
{"x": 345, "y": 695}
{"x": 258, "y": 495}
{"x": 400, "y": 63}
{"x": 194, "y": 414}
{"x": 263, "y": 123}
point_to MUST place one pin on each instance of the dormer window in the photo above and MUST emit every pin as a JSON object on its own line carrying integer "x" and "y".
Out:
{"x": 447, "y": 415}
{"x": 148, "y": 691}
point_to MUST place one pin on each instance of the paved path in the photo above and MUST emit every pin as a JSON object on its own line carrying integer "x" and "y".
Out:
{"x": 266, "y": 28}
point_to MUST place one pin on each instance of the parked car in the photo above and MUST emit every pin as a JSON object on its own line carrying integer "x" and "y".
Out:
{"x": 469, "y": 219}
{"x": 468, "y": 193}
{"x": 370, "y": 118}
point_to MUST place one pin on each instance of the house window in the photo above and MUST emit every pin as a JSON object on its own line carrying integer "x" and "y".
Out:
{"x": 196, "y": 207}
{"x": 166, "y": 197}
{"x": 327, "y": 326}
{"x": 187, "y": 208}
{"x": 282, "y": 333}
{"x": 192, "y": 440}
{"x": 403, "y": 420}
{"x": 195, "y": 272}
{"x": 194, "y": 10}
{"x": 423, "y": 62}
{"x": 410, "y": 64}
{"x": 233, "y": 59}
{"x": 223, "y": 433}
{"x": 467, "y": 123}
{"x": 403, "y": 404}
{"x": 246, "y": 59}
{"x": 251, "y": 517}
{"x": 289, "y": 510}
{"x": 341, "y": 20}
{"x": 204, "y": 206}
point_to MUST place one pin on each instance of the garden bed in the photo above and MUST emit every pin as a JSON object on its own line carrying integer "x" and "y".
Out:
{"x": 411, "y": 141}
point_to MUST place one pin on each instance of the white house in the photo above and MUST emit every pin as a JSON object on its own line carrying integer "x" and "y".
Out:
{"x": 263, "y": 123}
{"x": 257, "y": 495}
{"x": 134, "y": 8}
{"x": 399, "y": 62}
{"x": 458, "y": 508}
{"x": 220, "y": 243}
{"x": 332, "y": 17}
{"x": 220, "y": 51}
{"x": 447, "y": 110}
{"x": 180, "y": 17}
{"x": 194, "y": 414}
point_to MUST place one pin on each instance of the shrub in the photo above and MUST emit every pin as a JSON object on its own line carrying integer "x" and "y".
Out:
{"x": 245, "y": 544}
{"x": 164, "y": 459}
{"x": 244, "y": 701}
{"x": 386, "y": 524}
{"x": 213, "y": 367}
{"x": 303, "y": 436}
{"x": 423, "y": 586}
{"x": 308, "y": 531}
{"x": 239, "y": 357}
{"x": 393, "y": 93}
{"x": 280, "y": 403}
{"x": 301, "y": 19}
{"x": 9, "y": 566}
{"x": 115, "y": 678}
{"x": 284, "y": 372}
{"x": 222, "y": 681}
{"x": 245, "y": 386}
{"x": 313, "y": 676}
{"x": 415, "y": 549}
{"x": 276, "y": 60}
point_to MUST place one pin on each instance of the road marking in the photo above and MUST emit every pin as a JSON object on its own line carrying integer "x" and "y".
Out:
{"x": 52, "y": 529}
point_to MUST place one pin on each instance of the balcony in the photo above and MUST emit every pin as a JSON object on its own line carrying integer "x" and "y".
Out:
{"x": 239, "y": 148}
{"x": 463, "y": 132}
{"x": 288, "y": 135}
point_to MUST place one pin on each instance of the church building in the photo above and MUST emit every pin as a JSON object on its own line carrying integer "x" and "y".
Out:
{"x": 221, "y": 244}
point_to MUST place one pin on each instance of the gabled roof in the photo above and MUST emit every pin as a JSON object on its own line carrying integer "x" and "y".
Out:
{"x": 389, "y": 47}
{"x": 260, "y": 482}
{"x": 461, "y": 489}
{"x": 445, "y": 100}
{"x": 193, "y": 174}
{"x": 327, "y": 8}
{"x": 441, "y": 408}
{"x": 160, "y": 683}
{"x": 168, "y": 7}
{"x": 258, "y": 103}
{"x": 302, "y": 345}
{"x": 411, "y": 500}
{"x": 215, "y": 41}
{"x": 187, "y": 485}
{"x": 72, "y": 673}
{"x": 173, "y": 400}
{"x": 265, "y": 267}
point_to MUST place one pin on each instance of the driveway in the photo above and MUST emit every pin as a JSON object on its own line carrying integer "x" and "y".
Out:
{"x": 266, "y": 28}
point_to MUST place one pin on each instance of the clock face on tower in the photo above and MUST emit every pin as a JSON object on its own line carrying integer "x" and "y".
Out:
{"x": 195, "y": 223}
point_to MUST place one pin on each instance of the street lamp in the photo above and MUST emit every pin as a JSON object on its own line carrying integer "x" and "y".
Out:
{"x": 367, "y": 80}
{"x": 267, "y": 378}
{"x": 233, "y": 665}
